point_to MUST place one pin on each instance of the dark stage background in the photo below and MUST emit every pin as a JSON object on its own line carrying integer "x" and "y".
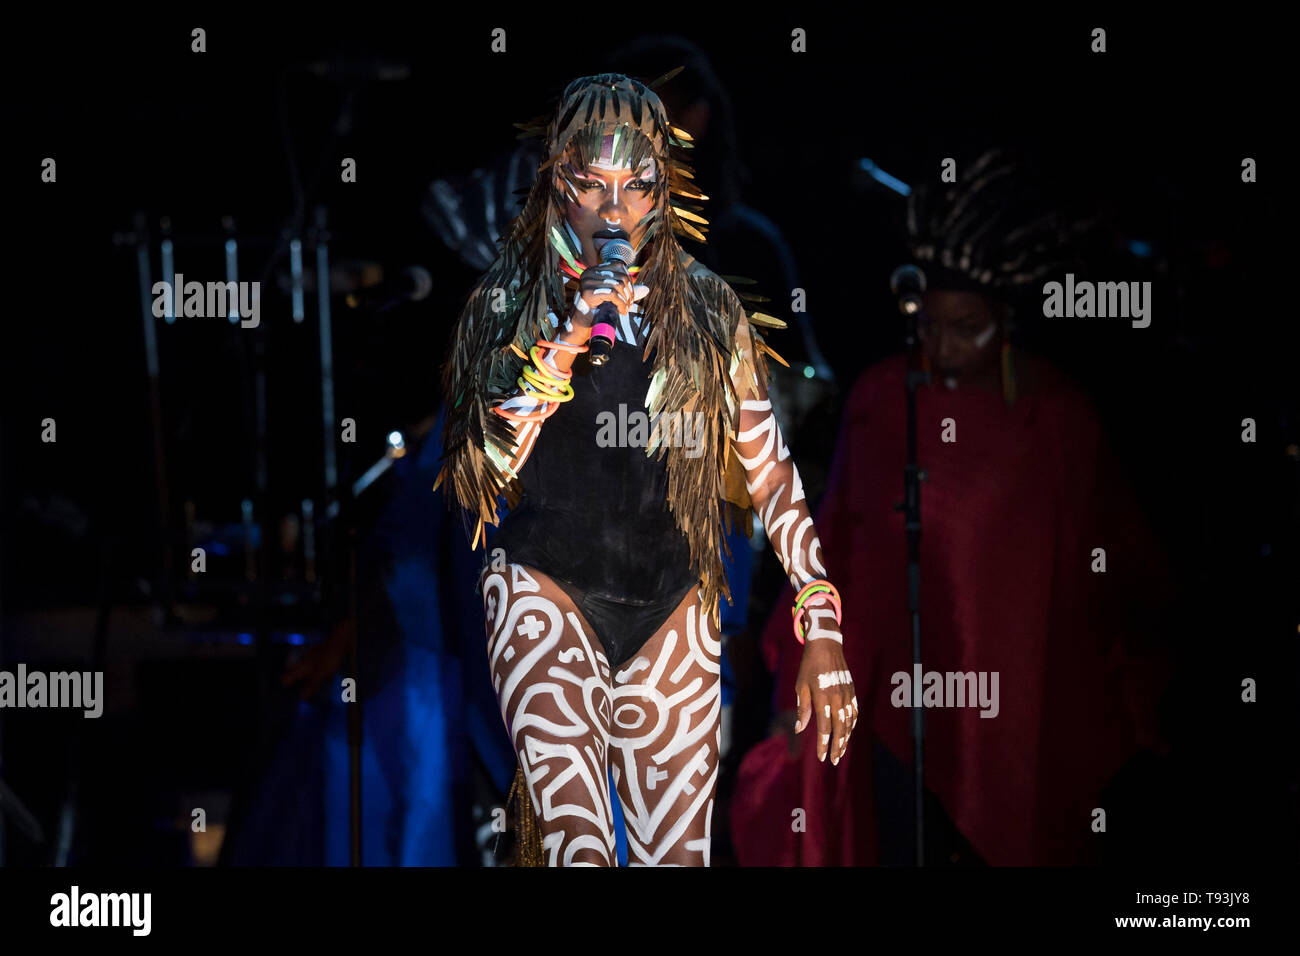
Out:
{"x": 1154, "y": 130}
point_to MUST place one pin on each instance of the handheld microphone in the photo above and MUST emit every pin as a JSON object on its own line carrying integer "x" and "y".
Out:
{"x": 602, "y": 329}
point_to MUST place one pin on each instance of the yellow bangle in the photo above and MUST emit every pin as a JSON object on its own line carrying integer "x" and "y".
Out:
{"x": 541, "y": 380}
{"x": 531, "y": 382}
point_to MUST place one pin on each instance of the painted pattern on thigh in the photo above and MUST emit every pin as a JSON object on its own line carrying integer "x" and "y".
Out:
{"x": 665, "y": 737}
{"x": 552, "y": 684}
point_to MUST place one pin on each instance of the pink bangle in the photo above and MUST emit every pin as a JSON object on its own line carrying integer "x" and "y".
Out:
{"x": 812, "y": 584}
{"x": 795, "y": 622}
{"x": 825, "y": 591}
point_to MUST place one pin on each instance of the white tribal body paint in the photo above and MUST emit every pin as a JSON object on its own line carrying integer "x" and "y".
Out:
{"x": 776, "y": 489}
{"x": 551, "y": 682}
{"x": 833, "y": 679}
{"x": 665, "y": 741}
{"x": 655, "y": 722}
{"x": 777, "y": 494}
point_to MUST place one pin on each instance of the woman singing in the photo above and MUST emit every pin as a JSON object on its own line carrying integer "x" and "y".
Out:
{"x": 601, "y": 593}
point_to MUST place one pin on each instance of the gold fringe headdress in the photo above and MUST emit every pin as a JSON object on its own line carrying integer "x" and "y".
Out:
{"x": 694, "y": 317}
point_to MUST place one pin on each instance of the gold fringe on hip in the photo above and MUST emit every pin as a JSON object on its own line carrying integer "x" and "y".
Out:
{"x": 528, "y": 837}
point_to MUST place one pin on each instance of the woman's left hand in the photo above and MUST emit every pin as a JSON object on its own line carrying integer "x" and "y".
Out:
{"x": 825, "y": 688}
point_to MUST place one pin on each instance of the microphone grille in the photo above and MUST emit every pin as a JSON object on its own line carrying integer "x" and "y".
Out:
{"x": 619, "y": 249}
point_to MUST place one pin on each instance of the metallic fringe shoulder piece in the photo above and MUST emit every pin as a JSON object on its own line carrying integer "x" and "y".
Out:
{"x": 749, "y": 377}
{"x": 505, "y": 316}
{"x": 694, "y": 361}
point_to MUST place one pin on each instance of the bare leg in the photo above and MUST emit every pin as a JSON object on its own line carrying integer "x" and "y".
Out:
{"x": 552, "y": 681}
{"x": 664, "y": 740}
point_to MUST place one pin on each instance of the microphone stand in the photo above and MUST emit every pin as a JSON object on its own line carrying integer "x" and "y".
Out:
{"x": 348, "y": 516}
{"x": 909, "y": 303}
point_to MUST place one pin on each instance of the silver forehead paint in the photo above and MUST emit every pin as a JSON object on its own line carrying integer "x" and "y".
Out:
{"x": 607, "y": 154}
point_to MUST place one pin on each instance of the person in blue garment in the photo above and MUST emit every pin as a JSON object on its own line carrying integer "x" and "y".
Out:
{"x": 427, "y": 718}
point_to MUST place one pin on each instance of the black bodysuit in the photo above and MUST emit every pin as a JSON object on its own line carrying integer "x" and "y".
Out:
{"x": 596, "y": 519}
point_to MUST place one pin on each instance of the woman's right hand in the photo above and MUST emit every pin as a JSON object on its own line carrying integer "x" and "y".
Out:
{"x": 604, "y": 282}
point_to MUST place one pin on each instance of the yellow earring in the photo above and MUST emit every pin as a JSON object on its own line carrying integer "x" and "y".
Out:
{"x": 1008, "y": 374}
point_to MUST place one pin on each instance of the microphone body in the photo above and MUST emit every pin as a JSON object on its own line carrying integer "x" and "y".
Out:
{"x": 602, "y": 329}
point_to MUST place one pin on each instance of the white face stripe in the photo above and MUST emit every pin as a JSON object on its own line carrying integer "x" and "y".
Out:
{"x": 646, "y": 174}
{"x": 606, "y": 149}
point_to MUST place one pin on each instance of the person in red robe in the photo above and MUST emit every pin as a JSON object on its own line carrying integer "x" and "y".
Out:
{"x": 1038, "y": 575}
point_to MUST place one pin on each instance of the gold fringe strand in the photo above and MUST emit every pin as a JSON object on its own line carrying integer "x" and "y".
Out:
{"x": 528, "y": 836}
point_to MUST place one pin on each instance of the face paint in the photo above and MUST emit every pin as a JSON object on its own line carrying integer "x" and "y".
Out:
{"x": 606, "y": 197}
{"x": 983, "y": 338}
{"x": 960, "y": 332}
{"x": 577, "y": 242}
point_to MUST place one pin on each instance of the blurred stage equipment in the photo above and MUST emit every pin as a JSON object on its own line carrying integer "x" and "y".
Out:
{"x": 267, "y": 571}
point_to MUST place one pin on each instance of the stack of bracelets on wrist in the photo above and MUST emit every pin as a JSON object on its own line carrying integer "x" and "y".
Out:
{"x": 542, "y": 382}
{"x": 815, "y": 592}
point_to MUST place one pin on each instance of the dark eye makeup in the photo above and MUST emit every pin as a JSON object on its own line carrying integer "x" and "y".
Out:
{"x": 641, "y": 185}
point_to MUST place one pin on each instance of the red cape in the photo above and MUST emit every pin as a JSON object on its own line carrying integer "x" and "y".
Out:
{"x": 1011, "y": 513}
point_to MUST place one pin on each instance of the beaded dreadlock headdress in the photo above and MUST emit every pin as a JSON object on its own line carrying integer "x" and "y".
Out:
{"x": 989, "y": 232}
{"x": 694, "y": 316}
